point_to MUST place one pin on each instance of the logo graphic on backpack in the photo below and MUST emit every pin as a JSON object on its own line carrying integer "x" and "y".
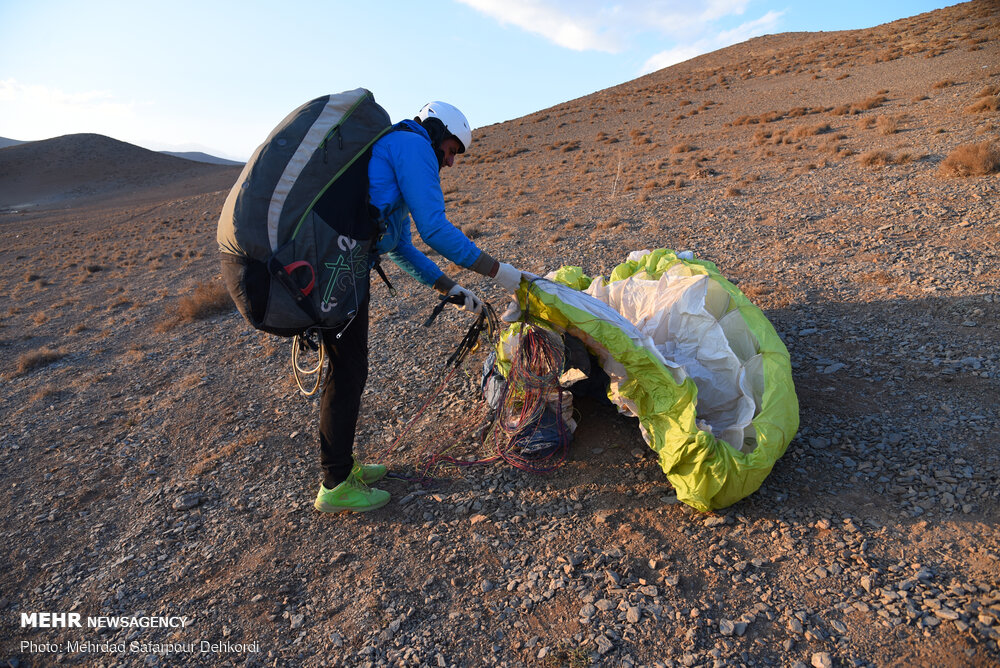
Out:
{"x": 296, "y": 231}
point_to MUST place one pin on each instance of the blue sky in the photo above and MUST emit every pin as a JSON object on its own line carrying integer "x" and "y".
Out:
{"x": 216, "y": 75}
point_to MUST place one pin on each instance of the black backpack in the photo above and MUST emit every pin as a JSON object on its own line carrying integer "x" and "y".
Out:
{"x": 297, "y": 232}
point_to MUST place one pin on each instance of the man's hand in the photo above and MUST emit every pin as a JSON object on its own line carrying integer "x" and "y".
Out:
{"x": 472, "y": 303}
{"x": 507, "y": 277}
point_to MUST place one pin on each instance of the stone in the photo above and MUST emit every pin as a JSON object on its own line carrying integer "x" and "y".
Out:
{"x": 633, "y": 615}
{"x": 604, "y": 644}
{"x": 822, "y": 660}
{"x": 297, "y": 621}
{"x": 187, "y": 501}
{"x": 726, "y": 627}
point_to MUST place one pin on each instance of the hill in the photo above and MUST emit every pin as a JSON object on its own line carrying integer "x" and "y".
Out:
{"x": 198, "y": 156}
{"x": 4, "y": 142}
{"x": 88, "y": 167}
{"x": 157, "y": 458}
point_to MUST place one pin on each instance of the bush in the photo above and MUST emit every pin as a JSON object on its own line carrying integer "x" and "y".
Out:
{"x": 34, "y": 359}
{"x": 810, "y": 130}
{"x": 972, "y": 160}
{"x": 887, "y": 125}
{"x": 986, "y": 104}
{"x": 875, "y": 158}
{"x": 207, "y": 300}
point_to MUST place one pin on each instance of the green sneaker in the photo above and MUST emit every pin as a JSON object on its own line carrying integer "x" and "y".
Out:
{"x": 371, "y": 472}
{"x": 351, "y": 495}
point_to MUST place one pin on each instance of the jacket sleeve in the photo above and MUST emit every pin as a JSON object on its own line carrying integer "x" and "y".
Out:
{"x": 408, "y": 258}
{"x": 420, "y": 185}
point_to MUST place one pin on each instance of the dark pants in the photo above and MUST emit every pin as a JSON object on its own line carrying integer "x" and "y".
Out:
{"x": 341, "y": 399}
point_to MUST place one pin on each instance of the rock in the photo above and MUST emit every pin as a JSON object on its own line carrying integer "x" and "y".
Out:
{"x": 187, "y": 501}
{"x": 476, "y": 519}
{"x": 588, "y": 611}
{"x": 946, "y": 614}
{"x": 726, "y": 627}
{"x": 297, "y": 621}
{"x": 822, "y": 660}
{"x": 486, "y": 586}
{"x": 604, "y": 644}
{"x": 633, "y": 615}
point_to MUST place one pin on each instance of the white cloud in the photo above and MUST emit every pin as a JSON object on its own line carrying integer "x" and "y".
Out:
{"x": 695, "y": 27}
{"x": 678, "y": 54}
{"x": 34, "y": 111}
{"x": 581, "y": 26}
{"x": 584, "y": 25}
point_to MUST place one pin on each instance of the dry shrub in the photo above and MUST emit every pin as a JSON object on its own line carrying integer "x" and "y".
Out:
{"x": 887, "y": 125}
{"x": 841, "y": 110}
{"x": 986, "y": 104}
{"x": 769, "y": 295}
{"x": 761, "y": 136}
{"x": 876, "y": 277}
{"x": 868, "y": 103}
{"x": 681, "y": 148}
{"x": 864, "y": 122}
{"x": 972, "y": 160}
{"x": 944, "y": 83}
{"x": 733, "y": 191}
{"x": 35, "y": 359}
{"x": 206, "y": 300}
{"x": 810, "y": 130}
{"x": 988, "y": 91}
{"x": 880, "y": 158}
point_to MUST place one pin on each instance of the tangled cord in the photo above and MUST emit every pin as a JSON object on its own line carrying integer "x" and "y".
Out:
{"x": 532, "y": 387}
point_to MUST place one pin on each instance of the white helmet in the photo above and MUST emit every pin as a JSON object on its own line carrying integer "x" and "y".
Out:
{"x": 453, "y": 119}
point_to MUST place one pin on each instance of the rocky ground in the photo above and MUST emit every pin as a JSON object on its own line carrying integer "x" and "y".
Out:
{"x": 161, "y": 462}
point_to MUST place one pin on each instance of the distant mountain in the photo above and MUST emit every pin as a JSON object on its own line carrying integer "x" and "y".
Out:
{"x": 198, "y": 156}
{"x": 4, "y": 142}
{"x": 76, "y": 167}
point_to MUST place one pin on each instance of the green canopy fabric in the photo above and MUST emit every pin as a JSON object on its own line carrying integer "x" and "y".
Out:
{"x": 700, "y": 366}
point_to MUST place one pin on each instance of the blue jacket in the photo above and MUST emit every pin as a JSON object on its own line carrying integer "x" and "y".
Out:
{"x": 404, "y": 180}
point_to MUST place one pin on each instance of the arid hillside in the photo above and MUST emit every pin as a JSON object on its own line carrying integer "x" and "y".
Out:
{"x": 159, "y": 459}
{"x": 73, "y": 169}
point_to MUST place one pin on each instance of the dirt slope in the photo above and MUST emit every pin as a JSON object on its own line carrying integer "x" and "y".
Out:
{"x": 66, "y": 170}
{"x": 163, "y": 464}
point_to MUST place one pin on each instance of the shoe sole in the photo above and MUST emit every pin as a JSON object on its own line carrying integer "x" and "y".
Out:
{"x": 327, "y": 508}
